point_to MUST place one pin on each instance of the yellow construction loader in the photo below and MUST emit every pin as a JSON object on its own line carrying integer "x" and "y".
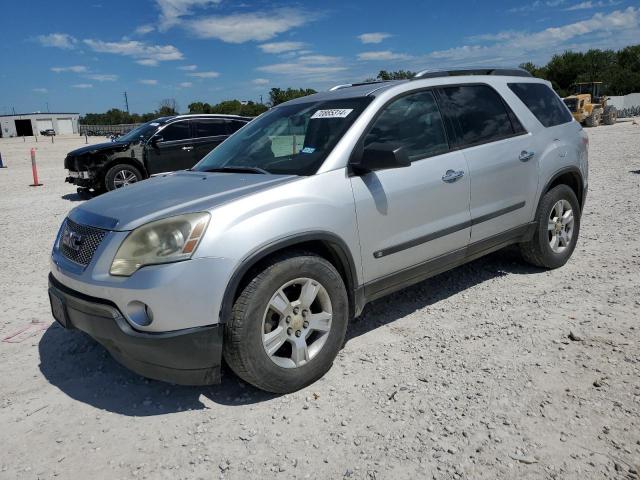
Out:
{"x": 589, "y": 107}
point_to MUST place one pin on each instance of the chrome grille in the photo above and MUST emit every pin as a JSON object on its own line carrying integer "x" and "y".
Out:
{"x": 82, "y": 241}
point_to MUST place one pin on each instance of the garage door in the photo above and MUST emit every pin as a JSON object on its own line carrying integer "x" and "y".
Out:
{"x": 65, "y": 126}
{"x": 44, "y": 124}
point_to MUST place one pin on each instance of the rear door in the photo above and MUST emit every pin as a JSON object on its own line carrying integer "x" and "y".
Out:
{"x": 208, "y": 134}
{"x": 173, "y": 150}
{"x": 407, "y": 216}
{"x": 503, "y": 163}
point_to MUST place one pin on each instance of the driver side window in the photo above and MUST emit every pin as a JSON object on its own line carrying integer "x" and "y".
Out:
{"x": 414, "y": 122}
{"x": 176, "y": 131}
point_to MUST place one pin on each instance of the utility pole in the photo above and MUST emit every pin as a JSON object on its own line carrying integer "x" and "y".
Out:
{"x": 47, "y": 107}
{"x": 126, "y": 102}
{"x": 260, "y": 99}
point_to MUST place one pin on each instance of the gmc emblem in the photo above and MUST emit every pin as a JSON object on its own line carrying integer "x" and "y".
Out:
{"x": 72, "y": 240}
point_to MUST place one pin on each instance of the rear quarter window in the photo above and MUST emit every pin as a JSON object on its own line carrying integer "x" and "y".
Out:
{"x": 480, "y": 113}
{"x": 543, "y": 103}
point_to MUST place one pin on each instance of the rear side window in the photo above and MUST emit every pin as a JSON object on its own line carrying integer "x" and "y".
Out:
{"x": 414, "y": 122}
{"x": 210, "y": 128}
{"x": 542, "y": 102}
{"x": 235, "y": 125}
{"x": 176, "y": 131}
{"x": 480, "y": 113}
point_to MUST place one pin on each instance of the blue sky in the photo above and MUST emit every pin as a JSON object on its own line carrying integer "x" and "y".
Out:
{"x": 83, "y": 55}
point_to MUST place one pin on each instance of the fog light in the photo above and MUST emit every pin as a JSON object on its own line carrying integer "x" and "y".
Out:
{"x": 139, "y": 313}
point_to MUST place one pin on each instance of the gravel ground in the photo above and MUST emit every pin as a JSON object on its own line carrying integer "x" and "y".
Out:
{"x": 495, "y": 370}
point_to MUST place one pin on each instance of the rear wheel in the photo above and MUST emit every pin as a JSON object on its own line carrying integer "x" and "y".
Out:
{"x": 592, "y": 120}
{"x": 288, "y": 324}
{"x": 120, "y": 176}
{"x": 557, "y": 228}
{"x": 610, "y": 115}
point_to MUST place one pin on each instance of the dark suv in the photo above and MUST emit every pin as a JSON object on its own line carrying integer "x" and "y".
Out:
{"x": 162, "y": 145}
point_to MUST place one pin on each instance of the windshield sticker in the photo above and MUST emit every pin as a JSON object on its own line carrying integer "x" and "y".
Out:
{"x": 333, "y": 113}
{"x": 154, "y": 124}
{"x": 308, "y": 150}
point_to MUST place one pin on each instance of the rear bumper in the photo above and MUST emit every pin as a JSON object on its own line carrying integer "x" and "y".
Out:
{"x": 186, "y": 357}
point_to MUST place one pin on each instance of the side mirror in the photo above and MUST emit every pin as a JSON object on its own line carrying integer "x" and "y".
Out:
{"x": 156, "y": 139}
{"x": 380, "y": 156}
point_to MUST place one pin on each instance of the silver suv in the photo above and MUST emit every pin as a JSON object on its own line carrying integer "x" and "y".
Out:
{"x": 265, "y": 250}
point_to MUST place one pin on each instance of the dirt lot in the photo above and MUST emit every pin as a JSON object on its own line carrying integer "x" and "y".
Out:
{"x": 471, "y": 374}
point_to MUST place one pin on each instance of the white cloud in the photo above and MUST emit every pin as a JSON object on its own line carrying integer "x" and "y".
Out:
{"x": 373, "y": 37}
{"x": 186, "y": 84}
{"x": 281, "y": 47}
{"x": 300, "y": 70}
{"x": 148, "y": 81}
{"x": 536, "y": 5}
{"x": 244, "y": 27}
{"x": 204, "y": 74}
{"x": 144, "y": 29}
{"x": 318, "y": 59}
{"x": 589, "y": 5}
{"x": 102, "y": 77}
{"x": 136, "y": 49}
{"x": 58, "y": 40}
{"x": 383, "y": 55}
{"x": 74, "y": 69}
{"x": 172, "y": 10}
{"x": 188, "y": 68}
{"x": 82, "y": 85}
{"x": 260, "y": 81}
{"x": 148, "y": 62}
{"x": 611, "y": 30}
{"x": 40, "y": 90}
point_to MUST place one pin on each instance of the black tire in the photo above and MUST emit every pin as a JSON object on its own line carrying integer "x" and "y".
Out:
{"x": 121, "y": 168}
{"x": 610, "y": 115}
{"x": 243, "y": 348}
{"x": 592, "y": 120}
{"x": 538, "y": 251}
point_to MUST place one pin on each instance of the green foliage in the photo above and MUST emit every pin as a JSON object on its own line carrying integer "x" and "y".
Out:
{"x": 279, "y": 95}
{"x": 397, "y": 75}
{"x": 619, "y": 71}
{"x": 229, "y": 107}
{"x": 116, "y": 116}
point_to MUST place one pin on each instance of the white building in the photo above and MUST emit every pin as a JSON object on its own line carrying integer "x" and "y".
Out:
{"x": 29, "y": 124}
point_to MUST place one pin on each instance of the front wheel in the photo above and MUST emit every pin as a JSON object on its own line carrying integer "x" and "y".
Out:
{"x": 288, "y": 324}
{"x": 557, "y": 228}
{"x": 120, "y": 176}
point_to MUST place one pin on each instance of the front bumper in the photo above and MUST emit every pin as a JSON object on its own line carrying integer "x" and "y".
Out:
{"x": 80, "y": 178}
{"x": 187, "y": 357}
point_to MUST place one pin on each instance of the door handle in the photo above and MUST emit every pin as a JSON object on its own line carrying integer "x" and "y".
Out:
{"x": 451, "y": 176}
{"x": 526, "y": 156}
{"x": 188, "y": 149}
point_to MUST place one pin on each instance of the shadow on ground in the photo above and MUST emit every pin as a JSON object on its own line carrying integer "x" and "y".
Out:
{"x": 85, "y": 371}
{"x": 78, "y": 197}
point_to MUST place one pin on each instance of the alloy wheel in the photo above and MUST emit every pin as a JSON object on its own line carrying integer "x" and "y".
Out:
{"x": 560, "y": 226}
{"x": 123, "y": 178}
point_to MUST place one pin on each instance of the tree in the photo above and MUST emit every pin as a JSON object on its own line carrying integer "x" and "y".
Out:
{"x": 278, "y": 95}
{"x": 397, "y": 75}
{"x": 168, "y": 107}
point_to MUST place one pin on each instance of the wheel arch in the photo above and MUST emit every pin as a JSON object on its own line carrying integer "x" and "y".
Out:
{"x": 134, "y": 162}
{"x": 327, "y": 245}
{"x": 570, "y": 176}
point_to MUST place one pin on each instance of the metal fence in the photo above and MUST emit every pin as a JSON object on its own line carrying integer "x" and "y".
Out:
{"x": 629, "y": 112}
{"x": 106, "y": 130}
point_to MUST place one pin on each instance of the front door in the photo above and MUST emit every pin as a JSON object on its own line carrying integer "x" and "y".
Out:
{"x": 171, "y": 148}
{"x": 407, "y": 216}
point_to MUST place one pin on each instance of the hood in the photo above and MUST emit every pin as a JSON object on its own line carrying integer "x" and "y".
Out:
{"x": 99, "y": 147}
{"x": 168, "y": 195}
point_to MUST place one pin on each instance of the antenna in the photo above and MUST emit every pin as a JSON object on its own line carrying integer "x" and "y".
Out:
{"x": 126, "y": 102}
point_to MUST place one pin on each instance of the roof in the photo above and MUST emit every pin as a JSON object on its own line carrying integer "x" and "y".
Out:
{"x": 209, "y": 115}
{"x": 39, "y": 113}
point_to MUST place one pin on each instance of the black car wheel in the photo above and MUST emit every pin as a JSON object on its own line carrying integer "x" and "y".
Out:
{"x": 120, "y": 176}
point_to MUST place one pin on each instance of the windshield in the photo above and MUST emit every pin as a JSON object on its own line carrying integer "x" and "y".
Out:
{"x": 571, "y": 103}
{"x": 145, "y": 131}
{"x": 289, "y": 139}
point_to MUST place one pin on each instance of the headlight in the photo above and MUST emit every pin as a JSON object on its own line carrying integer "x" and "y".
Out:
{"x": 163, "y": 241}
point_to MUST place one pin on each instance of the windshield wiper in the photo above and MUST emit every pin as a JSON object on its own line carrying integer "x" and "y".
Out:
{"x": 236, "y": 169}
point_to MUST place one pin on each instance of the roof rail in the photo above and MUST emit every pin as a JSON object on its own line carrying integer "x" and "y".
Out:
{"x": 347, "y": 85}
{"x": 512, "y": 72}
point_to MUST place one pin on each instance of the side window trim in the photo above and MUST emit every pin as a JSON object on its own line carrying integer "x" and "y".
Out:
{"x": 360, "y": 143}
{"x": 452, "y": 117}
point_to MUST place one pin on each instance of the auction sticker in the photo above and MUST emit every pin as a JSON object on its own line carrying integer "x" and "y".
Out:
{"x": 333, "y": 113}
